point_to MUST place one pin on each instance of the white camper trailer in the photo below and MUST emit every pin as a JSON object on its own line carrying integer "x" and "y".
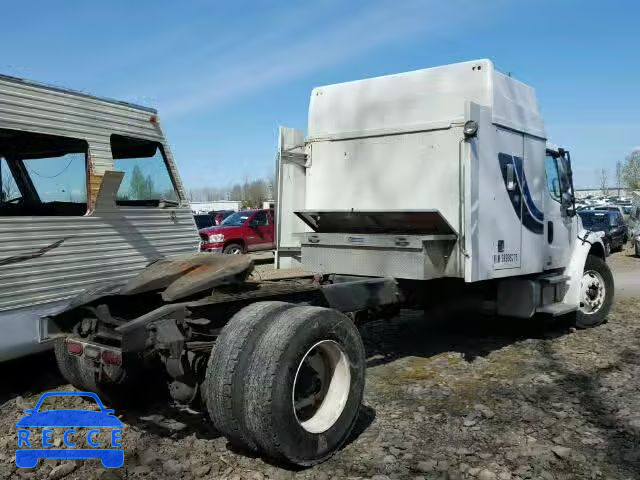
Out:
{"x": 411, "y": 191}
{"x": 89, "y": 195}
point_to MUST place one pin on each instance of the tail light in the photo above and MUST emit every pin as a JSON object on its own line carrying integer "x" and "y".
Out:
{"x": 74, "y": 348}
{"x": 111, "y": 358}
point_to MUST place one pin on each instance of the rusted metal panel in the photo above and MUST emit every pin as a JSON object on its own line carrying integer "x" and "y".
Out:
{"x": 189, "y": 274}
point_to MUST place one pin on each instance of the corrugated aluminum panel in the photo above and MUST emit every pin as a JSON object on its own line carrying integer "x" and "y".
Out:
{"x": 48, "y": 259}
{"x": 45, "y": 259}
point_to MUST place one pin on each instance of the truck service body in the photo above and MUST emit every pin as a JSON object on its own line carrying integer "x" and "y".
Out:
{"x": 415, "y": 190}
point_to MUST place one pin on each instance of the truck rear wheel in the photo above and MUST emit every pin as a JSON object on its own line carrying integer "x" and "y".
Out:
{"x": 304, "y": 385}
{"x": 224, "y": 383}
{"x": 596, "y": 293}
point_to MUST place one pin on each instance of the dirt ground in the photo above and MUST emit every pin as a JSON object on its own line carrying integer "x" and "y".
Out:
{"x": 462, "y": 398}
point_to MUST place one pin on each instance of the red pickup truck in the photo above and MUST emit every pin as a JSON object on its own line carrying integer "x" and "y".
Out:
{"x": 241, "y": 232}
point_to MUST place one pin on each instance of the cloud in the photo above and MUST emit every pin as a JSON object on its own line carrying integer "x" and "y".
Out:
{"x": 299, "y": 43}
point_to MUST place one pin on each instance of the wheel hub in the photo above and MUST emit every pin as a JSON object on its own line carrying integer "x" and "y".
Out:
{"x": 593, "y": 292}
{"x": 321, "y": 387}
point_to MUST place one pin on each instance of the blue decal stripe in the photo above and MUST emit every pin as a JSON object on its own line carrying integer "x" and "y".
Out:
{"x": 515, "y": 196}
{"x": 522, "y": 180}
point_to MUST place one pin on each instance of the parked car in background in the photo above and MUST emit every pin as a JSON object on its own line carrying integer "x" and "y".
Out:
{"x": 241, "y": 232}
{"x": 636, "y": 243}
{"x": 608, "y": 207}
{"x": 203, "y": 220}
{"x": 616, "y": 232}
{"x": 220, "y": 215}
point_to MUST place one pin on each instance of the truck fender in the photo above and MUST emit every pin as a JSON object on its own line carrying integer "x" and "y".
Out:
{"x": 586, "y": 243}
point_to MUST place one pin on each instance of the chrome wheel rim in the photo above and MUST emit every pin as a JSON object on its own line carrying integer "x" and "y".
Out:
{"x": 321, "y": 387}
{"x": 593, "y": 292}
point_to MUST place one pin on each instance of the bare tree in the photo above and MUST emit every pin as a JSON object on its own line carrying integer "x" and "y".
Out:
{"x": 618, "y": 175}
{"x": 603, "y": 176}
{"x": 236, "y": 192}
{"x": 8, "y": 187}
{"x": 631, "y": 170}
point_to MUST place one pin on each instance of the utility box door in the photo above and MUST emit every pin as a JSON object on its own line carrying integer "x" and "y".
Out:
{"x": 290, "y": 178}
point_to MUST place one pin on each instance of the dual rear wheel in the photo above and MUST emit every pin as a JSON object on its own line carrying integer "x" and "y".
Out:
{"x": 286, "y": 381}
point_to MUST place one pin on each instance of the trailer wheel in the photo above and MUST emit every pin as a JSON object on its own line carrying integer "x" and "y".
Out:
{"x": 224, "y": 383}
{"x": 304, "y": 385}
{"x": 596, "y": 293}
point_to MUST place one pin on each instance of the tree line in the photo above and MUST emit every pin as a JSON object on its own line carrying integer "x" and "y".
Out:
{"x": 251, "y": 193}
{"x": 627, "y": 173}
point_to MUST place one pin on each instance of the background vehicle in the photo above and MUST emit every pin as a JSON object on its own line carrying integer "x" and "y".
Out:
{"x": 608, "y": 207}
{"x": 610, "y": 222}
{"x": 220, "y": 215}
{"x": 203, "y": 220}
{"x": 241, "y": 232}
{"x": 490, "y": 225}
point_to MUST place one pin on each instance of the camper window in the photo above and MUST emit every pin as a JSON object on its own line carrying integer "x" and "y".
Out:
{"x": 147, "y": 181}
{"x": 42, "y": 175}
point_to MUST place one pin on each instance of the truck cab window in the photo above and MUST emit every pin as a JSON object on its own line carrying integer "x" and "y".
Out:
{"x": 260, "y": 219}
{"x": 553, "y": 177}
{"x": 42, "y": 175}
{"x": 557, "y": 172}
{"x": 147, "y": 181}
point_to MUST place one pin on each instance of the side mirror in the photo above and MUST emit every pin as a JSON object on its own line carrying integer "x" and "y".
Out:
{"x": 567, "y": 204}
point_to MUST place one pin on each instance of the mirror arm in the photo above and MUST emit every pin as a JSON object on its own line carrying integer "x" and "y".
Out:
{"x": 570, "y": 172}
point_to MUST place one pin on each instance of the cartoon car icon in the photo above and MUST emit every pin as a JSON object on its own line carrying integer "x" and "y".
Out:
{"x": 69, "y": 418}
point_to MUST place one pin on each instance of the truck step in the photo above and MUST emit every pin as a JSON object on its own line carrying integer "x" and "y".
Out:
{"x": 553, "y": 279}
{"x": 556, "y": 309}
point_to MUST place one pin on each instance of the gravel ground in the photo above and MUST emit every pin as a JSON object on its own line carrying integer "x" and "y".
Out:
{"x": 462, "y": 398}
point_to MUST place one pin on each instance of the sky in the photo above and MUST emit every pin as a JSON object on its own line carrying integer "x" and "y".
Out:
{"x": 224, "y": 75}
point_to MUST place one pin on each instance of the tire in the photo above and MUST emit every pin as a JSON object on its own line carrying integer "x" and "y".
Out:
{"x": 69, "y": 365}
{"x": 224, "y": 384}
{"x": 598, "y": 272}
{"x": 309, "y": 435}
{"x": 233, "y": 249}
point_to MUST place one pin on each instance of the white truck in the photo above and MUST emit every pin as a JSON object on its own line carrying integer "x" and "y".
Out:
{"x": 413, "y": 190}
